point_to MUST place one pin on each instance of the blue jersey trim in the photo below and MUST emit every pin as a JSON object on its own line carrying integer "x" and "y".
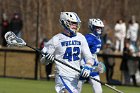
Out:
{"x": 65, "y": 85}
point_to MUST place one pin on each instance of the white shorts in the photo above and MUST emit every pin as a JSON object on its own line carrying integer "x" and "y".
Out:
{"x": 69, "y": 81}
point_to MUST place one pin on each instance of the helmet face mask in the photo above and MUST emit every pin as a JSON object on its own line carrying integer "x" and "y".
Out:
{"x": 74, "y": 26}
{"x": 70, "y": 22}
{"x": 97, "y": 30}
{"x": 96, "y": 26}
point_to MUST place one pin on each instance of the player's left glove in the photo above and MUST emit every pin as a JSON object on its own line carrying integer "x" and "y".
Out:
{"x": 101, "y": 67}
{"x": 86, "y": 70}
{"x": 46, "y": 59}
{"x": 50, "y": 57}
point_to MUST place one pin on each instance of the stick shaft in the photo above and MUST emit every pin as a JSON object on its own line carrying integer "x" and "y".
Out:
{"x": 113, "y": 88}
{"x": 118, "y": 91}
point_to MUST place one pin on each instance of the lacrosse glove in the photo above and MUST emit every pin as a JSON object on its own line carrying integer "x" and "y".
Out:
{"x": 92, "y": 73}
{"x": 86, "y": 70}
{"x": 46, "y": 59}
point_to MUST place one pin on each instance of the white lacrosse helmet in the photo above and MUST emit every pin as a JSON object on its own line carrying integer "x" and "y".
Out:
{"x": 70, "y": 21}
{"x": 96, "y": 26}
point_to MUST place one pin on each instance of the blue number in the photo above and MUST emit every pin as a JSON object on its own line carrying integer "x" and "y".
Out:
{"x": 68, "y": 54}
{"x": 72, "y": 54}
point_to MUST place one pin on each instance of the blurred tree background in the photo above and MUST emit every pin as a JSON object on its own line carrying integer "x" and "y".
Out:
{"x": 41, "y": 17}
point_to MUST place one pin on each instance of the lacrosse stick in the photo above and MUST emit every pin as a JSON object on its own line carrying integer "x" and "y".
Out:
{"x": 13, "y": 40}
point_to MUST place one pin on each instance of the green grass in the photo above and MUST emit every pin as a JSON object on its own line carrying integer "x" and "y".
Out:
{"x": 9, "y": 85}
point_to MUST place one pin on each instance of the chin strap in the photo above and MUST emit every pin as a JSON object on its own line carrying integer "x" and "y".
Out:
{"x": 67, "y": 33}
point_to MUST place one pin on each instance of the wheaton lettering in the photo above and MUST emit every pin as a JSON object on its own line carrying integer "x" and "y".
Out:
{"x": 68, "y": 43}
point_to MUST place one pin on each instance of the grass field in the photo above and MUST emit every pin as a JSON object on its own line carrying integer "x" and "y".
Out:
{"x": 10, "y": 85}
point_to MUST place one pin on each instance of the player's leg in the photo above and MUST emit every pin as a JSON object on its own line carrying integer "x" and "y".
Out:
{"x": 117, "y": 45}
{"x": 66, "y": 84}
{"x": 80, "y": 85}
{"x": 48, "y": 69}
{"x": 96, "y": 86}
{"x": 122, "y": 44}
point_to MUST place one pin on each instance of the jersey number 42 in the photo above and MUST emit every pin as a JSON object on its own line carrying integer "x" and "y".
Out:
{"x": 72, "y": 53}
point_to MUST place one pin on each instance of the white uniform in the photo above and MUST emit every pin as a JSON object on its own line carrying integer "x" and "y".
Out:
{"x": 120, "y": 33}
{"x": 132, "y": 32}
{"x": 69, "y": 50}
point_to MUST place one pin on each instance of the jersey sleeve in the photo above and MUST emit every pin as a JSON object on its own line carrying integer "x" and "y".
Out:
{"x": 50, "y": 46}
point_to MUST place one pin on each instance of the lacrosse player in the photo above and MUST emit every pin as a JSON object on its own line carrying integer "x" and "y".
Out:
{"x": 94, "y": 41}
{"x": 69, "y": 47}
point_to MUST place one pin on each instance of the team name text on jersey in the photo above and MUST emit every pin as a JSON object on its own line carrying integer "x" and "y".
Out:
{"x": 68, "y": 43}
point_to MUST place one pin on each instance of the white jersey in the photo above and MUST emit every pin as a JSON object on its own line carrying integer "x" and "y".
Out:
{"x": 69, "y": 50}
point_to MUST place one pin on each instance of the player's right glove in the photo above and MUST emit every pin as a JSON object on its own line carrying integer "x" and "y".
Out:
{"x": 46, "y": 59}
{"x": 86, "y": 70}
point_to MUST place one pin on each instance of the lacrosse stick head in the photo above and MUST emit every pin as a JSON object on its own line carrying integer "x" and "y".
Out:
{"x": 13, "y": 40}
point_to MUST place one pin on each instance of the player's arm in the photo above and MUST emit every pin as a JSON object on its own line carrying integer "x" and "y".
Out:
{"x": 87, "y": 68}
{"x": 49, "y": 48}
